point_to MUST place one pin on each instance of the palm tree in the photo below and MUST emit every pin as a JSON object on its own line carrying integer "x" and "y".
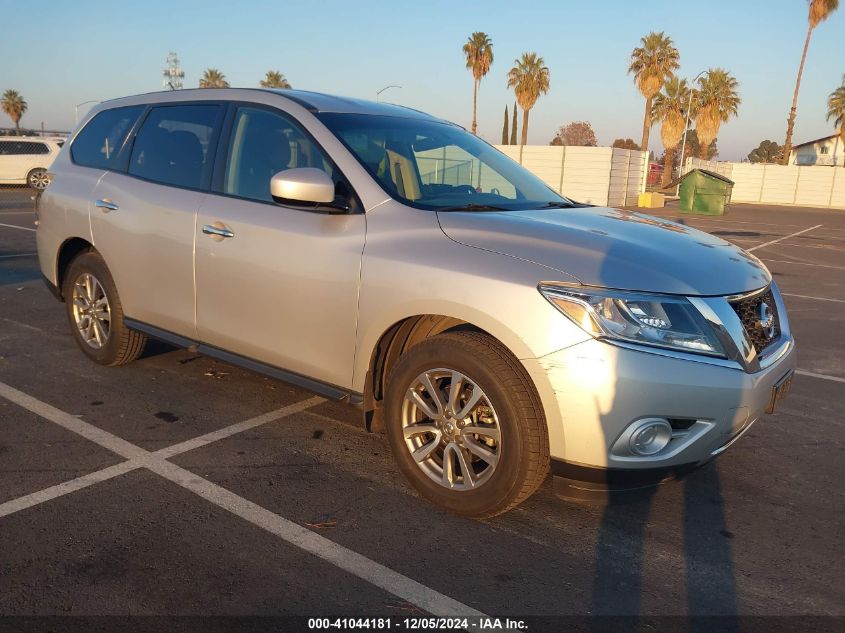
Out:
{"x": 14, "y": 105}
{"x": 529, "y": 78}
{"x": 479, "y": 52}
{"x": 669, "y": 108}
{"x": 714, "y": 102}
{"x": 213, "y": 78}
{"x": 836, "y": 110}
{"x": 652, "y": 64}
{"x": 819, "y": 11}
{"x": 274, "y": 79}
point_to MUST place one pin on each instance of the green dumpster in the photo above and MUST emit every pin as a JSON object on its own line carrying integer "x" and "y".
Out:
{"x": 705, "y": 192}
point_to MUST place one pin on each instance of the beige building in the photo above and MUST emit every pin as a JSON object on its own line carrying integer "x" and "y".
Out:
{"x": 829, "y": 150}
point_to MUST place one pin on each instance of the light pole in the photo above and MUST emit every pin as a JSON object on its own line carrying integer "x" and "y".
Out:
{"x": 79, "y": 105}
{"x": 385, "y": 88}
{"x": 686, "y": 124}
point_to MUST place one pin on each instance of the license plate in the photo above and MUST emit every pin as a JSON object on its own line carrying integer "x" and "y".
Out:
{"x": 779, "y": 392}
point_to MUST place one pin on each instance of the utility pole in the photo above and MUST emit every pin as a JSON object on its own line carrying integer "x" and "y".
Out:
{"x": 686, "y": 126}
{"x": 173, "y": 73}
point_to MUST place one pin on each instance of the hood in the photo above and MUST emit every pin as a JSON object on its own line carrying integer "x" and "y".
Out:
{"x": 610, "y": 248}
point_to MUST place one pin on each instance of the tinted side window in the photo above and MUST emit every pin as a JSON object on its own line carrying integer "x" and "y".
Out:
{"x": 172, "y": 146}
{"x": 99, "y": 143}
{"x": 22, "y": 148}
{"x": 35, "y": 148}
{"x": 262, "y": 144}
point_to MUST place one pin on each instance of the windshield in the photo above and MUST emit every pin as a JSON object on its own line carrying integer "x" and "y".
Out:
{"x": 438, "y": 166}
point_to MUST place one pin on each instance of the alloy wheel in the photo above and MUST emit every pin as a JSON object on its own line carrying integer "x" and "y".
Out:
{"x": 39, "y": 179}
{"x": 451, "y": 429}
{"x": 91, "y": 310}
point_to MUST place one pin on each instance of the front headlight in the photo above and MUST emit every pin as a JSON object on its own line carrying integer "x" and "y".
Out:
{"x": 658, "y": 320}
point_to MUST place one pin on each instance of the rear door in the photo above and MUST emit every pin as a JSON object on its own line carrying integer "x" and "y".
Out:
{"x": 283, "y": 288}
{"x": 100, "y": 146}
{"x": 33, "y": 155}
{"x": 143, "y": 220}
{"x": 19, "y": 157}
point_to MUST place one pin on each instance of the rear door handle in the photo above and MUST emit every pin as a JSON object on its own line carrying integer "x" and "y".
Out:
{"x": 217, "y": 231}
{"x": 105, "y": 205}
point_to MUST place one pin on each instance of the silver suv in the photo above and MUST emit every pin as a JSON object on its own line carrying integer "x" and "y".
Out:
{"x": 377, "y": 255}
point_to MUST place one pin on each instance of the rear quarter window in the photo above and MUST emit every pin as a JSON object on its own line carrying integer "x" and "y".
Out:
{"x": 35, "y": 148}
{"x": 100, "y": 142}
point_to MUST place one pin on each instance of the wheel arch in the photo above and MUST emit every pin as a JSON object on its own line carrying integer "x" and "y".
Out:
{"x": 68, "y": 251}
{"x": 394, "y": 341}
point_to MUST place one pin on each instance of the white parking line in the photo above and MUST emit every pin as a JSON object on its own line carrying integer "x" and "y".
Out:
{"x": 15, "y": 226}
{"x": 812, "y": 374}
{"x": 786, "y": 261}
{"x": 785, "y": 237}
{"x": 68, "y": 421}
{"x": 19, "y": 255}
{"x": 375, "y": 573}
{"x": 730, "y": 222}
{"x": 54, "y": 492}
{"x": 826, "y": 247}
{"x": 90, "y": 432}
{"x": 786, "y": 294}
{"x": 214, "y": 436}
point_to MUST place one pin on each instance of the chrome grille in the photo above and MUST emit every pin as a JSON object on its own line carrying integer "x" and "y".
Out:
{"x": 748, "y": 310}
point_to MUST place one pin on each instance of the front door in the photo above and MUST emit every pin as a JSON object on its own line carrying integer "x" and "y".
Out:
{"x": 282, "y": 288}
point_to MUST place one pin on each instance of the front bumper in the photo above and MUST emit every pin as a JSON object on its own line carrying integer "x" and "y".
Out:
{"x": 592, "y": 392}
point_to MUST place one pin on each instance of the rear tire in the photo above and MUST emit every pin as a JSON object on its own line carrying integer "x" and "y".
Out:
{"x": 37, "y": 179}
{"x": 96, "y": 314}
{"x": 479, "y": 452}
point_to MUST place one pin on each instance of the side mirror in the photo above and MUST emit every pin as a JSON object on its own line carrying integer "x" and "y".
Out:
{"x": 302, "y": 185}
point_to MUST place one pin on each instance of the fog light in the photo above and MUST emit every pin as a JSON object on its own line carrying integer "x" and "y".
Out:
{"x": 651, "y": 436}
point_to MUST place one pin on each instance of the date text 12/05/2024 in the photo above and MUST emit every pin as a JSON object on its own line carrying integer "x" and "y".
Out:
{"x": 418, "y": 624}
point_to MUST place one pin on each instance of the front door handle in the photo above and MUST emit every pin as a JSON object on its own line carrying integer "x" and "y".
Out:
{"x": 218, "y": 231}
{"x": 105, "y": 205}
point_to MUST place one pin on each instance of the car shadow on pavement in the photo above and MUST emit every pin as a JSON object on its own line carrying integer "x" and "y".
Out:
{"x": 709, "y": 574}
{"x": 709, "y": 580}
{"x": 154, "y": 347}
{"x": 17, "y": 270}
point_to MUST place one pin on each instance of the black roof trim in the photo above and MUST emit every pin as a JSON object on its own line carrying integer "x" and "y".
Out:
{"x": 296, "y": 100}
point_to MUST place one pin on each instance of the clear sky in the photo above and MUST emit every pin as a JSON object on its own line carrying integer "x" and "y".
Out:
{"x": 68, "y": 52}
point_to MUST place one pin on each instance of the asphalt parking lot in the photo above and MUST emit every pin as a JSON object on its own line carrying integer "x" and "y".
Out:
{"x": 180, "y": 485}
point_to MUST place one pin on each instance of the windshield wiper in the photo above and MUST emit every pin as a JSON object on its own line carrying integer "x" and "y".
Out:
{"x": 473, "y": 207}
{"x": 560, "y": 205}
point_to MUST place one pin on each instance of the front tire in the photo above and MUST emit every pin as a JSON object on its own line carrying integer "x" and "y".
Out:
{"x": 465, "y": 424}
{"x": 96, "y": 314}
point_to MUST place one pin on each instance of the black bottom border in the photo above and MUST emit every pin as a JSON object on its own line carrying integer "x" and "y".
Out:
{"x": 420, "y": 622}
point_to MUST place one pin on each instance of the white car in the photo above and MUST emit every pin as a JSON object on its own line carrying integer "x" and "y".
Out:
{"x": 26, "y": 159}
